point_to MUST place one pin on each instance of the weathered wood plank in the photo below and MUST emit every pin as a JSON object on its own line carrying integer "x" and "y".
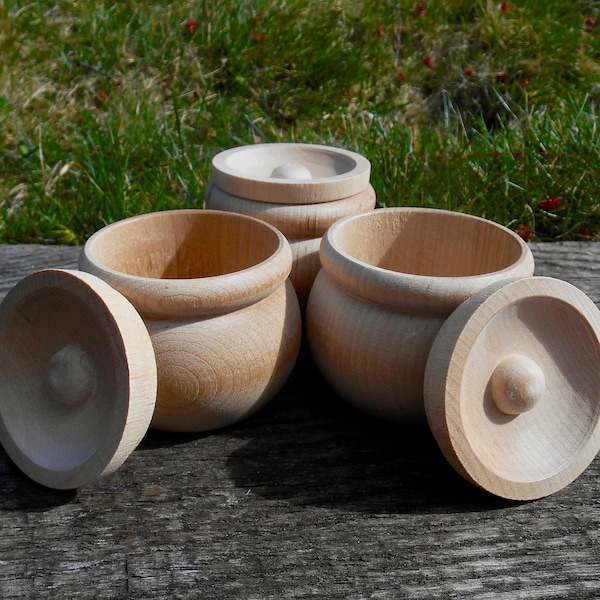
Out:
{"x": 19, "y": 260}
{"x": 307, "y": 499}
{"x": 575, "y": 262}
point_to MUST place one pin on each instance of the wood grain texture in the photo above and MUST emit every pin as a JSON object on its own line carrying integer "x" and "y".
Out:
{"x": 302, "y": 224}
{"x": 189, "y": 263}
{"x": 307, "y": 499}
{"x": 300, "y": 221}
{"x": 77, "y": 377}
{"x": 385, "y": 290}
{"x": 222, "y": 315}
{"x": 511, "y": 387}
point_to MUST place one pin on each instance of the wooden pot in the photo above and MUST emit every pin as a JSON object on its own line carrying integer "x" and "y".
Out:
{"x": 299, "y": 188}
{"x": 222, "y": 314}
{"x": 422, "y": 313}
{"x": 181, "y": 320}
{"x": 390, "y": 279}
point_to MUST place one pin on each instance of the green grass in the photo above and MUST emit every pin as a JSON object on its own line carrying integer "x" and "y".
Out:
{"x": 114, "y": 108}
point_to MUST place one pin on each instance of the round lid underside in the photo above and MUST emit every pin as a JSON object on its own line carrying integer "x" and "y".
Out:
{"x": 512, "y": 387}
{"x": 77, "y": 378}
{"x": 288, "y": 173}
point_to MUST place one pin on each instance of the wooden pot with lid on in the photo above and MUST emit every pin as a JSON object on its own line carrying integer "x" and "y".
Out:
{"x": 299, "y": 188}
{"x": 181, "y": 320}
{"x": 429, "y": 314}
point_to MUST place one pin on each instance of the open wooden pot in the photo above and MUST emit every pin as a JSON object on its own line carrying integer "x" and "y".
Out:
{"x": 422, "y": 313}
{"x": 179, "y": 320}
{"x": 214, "y": 293}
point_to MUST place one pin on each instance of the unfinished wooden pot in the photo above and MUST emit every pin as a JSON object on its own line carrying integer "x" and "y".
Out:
{"x": 299, "y": 188}
{"x": 221, "y": 312}
{"x": 390, "y": 279}
{"x": 180, "y": 320}
{"x": 422, "y": 313}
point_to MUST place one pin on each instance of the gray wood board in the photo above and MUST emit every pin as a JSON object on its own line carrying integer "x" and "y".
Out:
{"x": 307, "y": 499}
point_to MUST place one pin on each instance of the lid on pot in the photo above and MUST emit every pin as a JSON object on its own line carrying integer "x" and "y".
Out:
{"x": 288, "y": 173}
{"x": 512, "y": 387}
{"x": 77, "y": 377}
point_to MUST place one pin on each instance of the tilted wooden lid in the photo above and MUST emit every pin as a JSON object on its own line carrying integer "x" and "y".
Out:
{"x": 512, "y": 387}
{"x": 77, "y": 377}
{"x": 288, "y": 173}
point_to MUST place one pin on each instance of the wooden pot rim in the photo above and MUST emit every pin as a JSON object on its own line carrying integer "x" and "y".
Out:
{"x": 245, "y": 171}
{"x": 194, "y": 295}
{"x": 400, "y": 290}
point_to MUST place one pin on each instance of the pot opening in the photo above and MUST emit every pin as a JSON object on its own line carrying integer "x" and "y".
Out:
{"x": 185, "y": 244}
{"x": 430, "y": 243}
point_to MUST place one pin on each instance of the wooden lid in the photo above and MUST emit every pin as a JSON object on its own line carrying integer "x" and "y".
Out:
{"x": 77, "y": 377}
{"x": 512, "y": 387}
{"x": 290, "y": 173}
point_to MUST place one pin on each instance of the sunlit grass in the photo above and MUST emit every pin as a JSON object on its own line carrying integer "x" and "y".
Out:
{"x": 109, "y": 109}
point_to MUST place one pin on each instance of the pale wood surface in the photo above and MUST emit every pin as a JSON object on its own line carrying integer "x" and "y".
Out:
{"x": 222, "y": 315}
{"x": 302, "y": 224}
{"x": 511, "y": 387}
{"x": 307, "y": 499}
{"x": 192, "y": 263}
{"x": 291, "y": 173}
{"x": 390, "y": 279}
{"x": 297, "y": 221}
{"x": 78, "y": 377}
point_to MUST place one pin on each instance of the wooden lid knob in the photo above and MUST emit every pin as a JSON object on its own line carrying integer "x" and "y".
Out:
{"x": 287, "y": 173}
{"x": 517, "y": 384}
{"x": 77, "y": 378}
{"x": 511, "y": 387}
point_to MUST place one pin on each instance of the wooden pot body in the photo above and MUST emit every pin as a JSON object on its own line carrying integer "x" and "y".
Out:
{"x": 222, "y": 314}
{"x": 390, "y": 279}
{"x": 302, "y": 224}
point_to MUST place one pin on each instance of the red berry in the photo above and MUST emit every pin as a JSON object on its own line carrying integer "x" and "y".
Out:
{"x": 191, "y": 25}
{"x": 525, "y": 232}
{"x": 552, "y": 204}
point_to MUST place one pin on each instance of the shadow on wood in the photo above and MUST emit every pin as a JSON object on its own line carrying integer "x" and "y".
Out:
{"x": 19, "y": 492}
{"x": 311, "y": 451}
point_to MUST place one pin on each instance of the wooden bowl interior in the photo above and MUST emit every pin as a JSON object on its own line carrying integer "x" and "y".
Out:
{"x": 52, "y": 434}
{"x": 430, "y": 243}
{"x": 185, "y": 244}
